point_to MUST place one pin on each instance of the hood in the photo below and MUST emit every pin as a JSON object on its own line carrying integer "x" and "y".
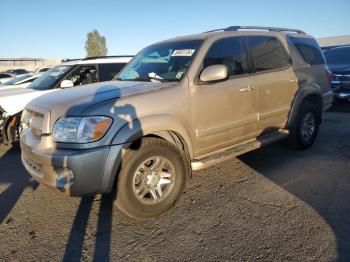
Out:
{"x": 13, "y": 100}
{"x": 340, "y": 69}
{"x": 73, "y": 101}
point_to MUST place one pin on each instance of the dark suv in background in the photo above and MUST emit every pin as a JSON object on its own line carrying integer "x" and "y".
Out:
{"x": 338, "y": 60}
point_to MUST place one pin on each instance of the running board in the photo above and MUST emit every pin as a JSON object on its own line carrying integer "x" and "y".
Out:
{"x": 239, "y": 149}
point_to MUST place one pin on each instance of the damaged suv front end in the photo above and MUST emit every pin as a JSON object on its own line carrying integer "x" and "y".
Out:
{"x": 52, "y": 151}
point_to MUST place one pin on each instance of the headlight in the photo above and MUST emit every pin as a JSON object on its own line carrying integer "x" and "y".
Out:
{"x": 81, "y": 129}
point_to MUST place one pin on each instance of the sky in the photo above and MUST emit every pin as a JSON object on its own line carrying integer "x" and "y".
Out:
{"x": 58, "y": 28}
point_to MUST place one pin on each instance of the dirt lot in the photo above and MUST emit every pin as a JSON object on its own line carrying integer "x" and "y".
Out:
{"x": 270, "y": 204}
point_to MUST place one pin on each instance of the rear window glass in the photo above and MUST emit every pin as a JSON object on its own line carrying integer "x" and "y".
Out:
{"x": 108, "y": 71}
{"x": 308, "y": 49}
{"x": 268, "y": 53}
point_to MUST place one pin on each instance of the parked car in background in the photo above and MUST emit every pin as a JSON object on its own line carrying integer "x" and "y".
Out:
{"x": 19, "y": 81}
{"x": 338, "y": 60}
{"x": 5, "y": 77}
{"x": 65, "y": 75}
{"x": 17, "y": 71}
{"x": 42, "y": 69}
{"x": 180, "y": 105}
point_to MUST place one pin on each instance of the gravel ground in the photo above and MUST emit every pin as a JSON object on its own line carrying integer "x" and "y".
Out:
{"x": 270, "y": 204}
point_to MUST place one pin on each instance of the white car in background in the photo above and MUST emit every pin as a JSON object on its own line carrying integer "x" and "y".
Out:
{"x": 42, "y": 69}
{"x": 69, "y": 74}
{"x": 5, "y": 77}
{"x": 19, "y": 81}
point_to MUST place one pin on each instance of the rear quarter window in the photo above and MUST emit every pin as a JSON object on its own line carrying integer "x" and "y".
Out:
{"x": 308, "y": 49}
{"x": 108, "y": 71}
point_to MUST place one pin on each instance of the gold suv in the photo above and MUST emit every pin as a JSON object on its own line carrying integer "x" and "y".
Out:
{"x": 179, "y": 105}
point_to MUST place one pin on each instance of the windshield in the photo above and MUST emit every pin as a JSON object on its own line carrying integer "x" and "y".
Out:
{"x": 16, "y": 79}
{"x": 162, "y": 62}
{"x": 338, "y": 56}
{"x": 49, "y": 78}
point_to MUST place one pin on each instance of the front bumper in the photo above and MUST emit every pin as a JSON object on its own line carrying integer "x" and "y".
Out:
{"x": 73, "y": 172}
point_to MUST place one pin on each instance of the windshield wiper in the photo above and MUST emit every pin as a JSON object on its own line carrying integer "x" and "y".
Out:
{"x": 148, "y": 79}
{"x": 162, "y": 80}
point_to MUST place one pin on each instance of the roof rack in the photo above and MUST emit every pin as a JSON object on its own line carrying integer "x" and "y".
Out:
{"x": 271, "y": 29}
{"x": 102, "y": 57}
{"x": 70, "y": 59}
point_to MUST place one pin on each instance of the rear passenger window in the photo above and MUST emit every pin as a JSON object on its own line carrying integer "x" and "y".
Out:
{"x": 268, "y": 53}
{"x": 308, "y": 49}
{"x": 230, "y": 52}
{"x": 108, "y": 71}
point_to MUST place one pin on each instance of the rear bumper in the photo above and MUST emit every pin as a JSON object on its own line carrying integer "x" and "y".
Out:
{"x": 342, "y": 93}
{"x": 73, "y": 172}
{"x": 327, "y": 100}
{"x": 341, "y": 87}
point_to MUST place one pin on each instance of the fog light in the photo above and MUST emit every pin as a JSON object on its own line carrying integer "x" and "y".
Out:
{"x": 64, "y": 177}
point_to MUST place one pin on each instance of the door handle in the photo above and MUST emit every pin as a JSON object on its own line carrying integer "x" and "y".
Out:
{"x": 247, "y": 89}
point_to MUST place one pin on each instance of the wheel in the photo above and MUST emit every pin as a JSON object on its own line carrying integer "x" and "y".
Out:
{"x": 304, "y": 130}
{"x": 151, "y": 178}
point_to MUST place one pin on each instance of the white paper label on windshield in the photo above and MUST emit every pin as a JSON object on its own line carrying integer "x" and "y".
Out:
{"x": 183, "y": 52}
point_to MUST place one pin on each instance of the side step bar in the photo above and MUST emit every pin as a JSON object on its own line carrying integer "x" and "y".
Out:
{"x": 239, "y": 149}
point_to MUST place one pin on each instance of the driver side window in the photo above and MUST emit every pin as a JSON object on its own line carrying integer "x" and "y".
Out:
{"x": 83, "y": 75}
{"x": 230, "y": 52}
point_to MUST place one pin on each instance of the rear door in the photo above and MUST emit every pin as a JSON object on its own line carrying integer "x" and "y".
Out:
{"x": 274, "y": 79}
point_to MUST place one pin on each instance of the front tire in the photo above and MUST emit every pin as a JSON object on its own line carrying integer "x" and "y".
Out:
{"x": 11, "y": 131}
{"x": 304, "y": 130}
{"x": 151, "y": 179}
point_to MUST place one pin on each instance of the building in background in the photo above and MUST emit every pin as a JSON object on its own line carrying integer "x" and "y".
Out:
{"x": 334, "y": 41}
{"x": 30, "y": 64}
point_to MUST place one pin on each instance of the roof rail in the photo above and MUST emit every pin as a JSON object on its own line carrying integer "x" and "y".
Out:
{"x": 102, "y": 57}
{"x": 70, "y": 59}
{"x": 273, "y": 29}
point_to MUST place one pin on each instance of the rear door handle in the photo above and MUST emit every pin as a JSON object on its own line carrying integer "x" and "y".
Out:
{"x": 247, "y": 89}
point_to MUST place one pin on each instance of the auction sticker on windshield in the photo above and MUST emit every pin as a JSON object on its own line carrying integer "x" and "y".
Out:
{"x": 183, "y": 52}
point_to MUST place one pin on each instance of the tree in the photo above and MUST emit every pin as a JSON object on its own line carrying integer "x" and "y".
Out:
{"x": 95, "y": 44}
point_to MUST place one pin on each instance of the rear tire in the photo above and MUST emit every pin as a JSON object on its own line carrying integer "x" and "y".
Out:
{"x": 151, "y": 178}
{"x": 304, "y": 130}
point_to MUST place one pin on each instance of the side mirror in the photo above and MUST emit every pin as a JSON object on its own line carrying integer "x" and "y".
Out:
{"x": 214, "y": 73}
{"x": 66, "y": 83}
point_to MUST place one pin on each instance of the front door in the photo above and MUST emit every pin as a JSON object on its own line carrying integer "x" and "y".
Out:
{"x": 225, "y": 112}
